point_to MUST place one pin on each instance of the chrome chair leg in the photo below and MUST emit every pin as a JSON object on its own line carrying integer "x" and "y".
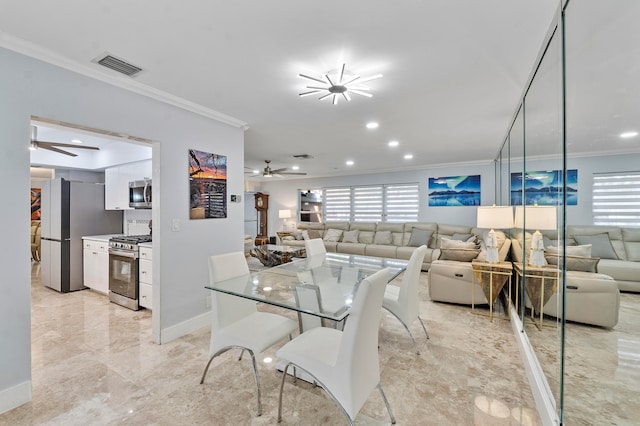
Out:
{"x": 384, "y": 397}
{"x": 284, "y": 376}
{"x": 424, "y": 328}
{"x": 415, "y": 345}
{"x": 240, "y": 357}
{"x": 257, "y": 377}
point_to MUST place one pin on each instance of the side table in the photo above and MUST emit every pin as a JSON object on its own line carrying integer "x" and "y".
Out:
{"x": 540, "y": 283}
{"x": 491, "y": 277}
{"x": 260, "y": 241}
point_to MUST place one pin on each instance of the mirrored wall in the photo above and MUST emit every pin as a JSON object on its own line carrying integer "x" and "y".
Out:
{"x": 582, "y": 97}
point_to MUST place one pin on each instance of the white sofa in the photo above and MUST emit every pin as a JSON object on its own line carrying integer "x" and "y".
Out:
{"x": 397, "y": 248}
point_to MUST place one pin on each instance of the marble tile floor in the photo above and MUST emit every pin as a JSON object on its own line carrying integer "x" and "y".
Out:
{"x": 93, "y": 363}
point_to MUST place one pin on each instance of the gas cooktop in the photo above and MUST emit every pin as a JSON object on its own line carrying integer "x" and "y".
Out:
{"x": 131, "y": 239}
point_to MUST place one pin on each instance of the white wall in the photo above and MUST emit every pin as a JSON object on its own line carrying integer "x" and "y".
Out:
{"x": 284, "y": 193}
{"x": 31, "y": 87}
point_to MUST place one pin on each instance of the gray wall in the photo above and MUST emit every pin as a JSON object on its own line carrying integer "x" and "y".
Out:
{"x": 31, "y": 87}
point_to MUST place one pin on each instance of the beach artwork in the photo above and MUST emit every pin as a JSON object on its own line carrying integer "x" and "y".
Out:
{"x": 207, "y": 185}
{"x": 454, "y": 191}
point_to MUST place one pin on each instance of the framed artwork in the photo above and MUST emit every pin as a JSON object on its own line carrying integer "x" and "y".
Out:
{"x": 544, "y": 188}
{"x": 35, "y": 203}
{"x": 207, "y": 185}
{"x": 454, "y": 191}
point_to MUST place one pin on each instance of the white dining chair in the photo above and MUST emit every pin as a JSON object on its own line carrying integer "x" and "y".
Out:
{"x": 314, "y": 247}
{"x": 403, "y": 301}
{"x": 236, "y": 322}
{"x": 344, "y": 363}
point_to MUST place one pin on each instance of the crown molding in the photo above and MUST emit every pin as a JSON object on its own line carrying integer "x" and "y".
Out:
{"x": 38, "y": 52}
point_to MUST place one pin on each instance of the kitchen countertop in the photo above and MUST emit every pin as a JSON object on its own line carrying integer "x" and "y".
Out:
{"x": 146, "y": 245}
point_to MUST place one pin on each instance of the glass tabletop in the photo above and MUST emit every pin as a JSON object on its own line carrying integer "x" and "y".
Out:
{"x": 322, "y": 285}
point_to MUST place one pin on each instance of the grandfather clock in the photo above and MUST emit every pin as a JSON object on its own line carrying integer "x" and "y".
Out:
{"x": 262, "y": 205}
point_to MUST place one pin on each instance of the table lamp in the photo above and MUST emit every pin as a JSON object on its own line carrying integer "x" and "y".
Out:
{"x": 536, "y": 217}
{"x": 284, "y": 214}
{"x": 490, "y": 217}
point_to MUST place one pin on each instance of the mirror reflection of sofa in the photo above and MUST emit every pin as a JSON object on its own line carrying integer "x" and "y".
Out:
{"x": 593, "y": 289}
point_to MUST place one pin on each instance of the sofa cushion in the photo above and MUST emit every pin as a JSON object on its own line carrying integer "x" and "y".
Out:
{"x": 366, "y": 237}
{"x": 459, "y": 254}
{"x": 382, "y": 237}
{"x": 350, "y": 236}
{"x": 351, "y": 248}
{"x": 631, "y": 237}
{"x": 447, "y": 243}
{"x": 582, "y": 251}
{"x": 420, "y": 237}
{"x": 600, "y": 245}
{"x": 620, "y": 270}
{"x": 380, "y": 250}
{"x": 575, "y": 263}
{"x": 332, "y": 235}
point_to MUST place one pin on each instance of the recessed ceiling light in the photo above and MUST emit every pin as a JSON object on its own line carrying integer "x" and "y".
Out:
{"x": 408, "y": 156}
{"x": 255, "y": 171}
{"x": 78, "y": 141}
{"x": 295, "y": 167}
{"x": 349, "y": 163}
{"x": 393, "y": 144}
{"x": 372, "y": 125}
{"x": 628, "y": 134}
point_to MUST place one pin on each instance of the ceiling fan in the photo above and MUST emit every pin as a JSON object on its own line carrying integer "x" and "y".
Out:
{"x": 53, "y": 146}
{"x": 269, "y": 172}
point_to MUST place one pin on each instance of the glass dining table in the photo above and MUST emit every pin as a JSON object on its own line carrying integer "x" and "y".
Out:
{"x": 321, "y": 285}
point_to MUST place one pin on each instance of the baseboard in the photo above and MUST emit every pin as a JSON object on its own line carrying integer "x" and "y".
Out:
{"x": 15, "y": 396}
{"x": 545, "y": 402}
{"x": 175, "y": 331}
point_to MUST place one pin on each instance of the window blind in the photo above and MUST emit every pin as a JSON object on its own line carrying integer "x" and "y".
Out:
{"x": 372, "y": 203}
{"x": 401, "y": 202}
{"x": 616, "y": 199}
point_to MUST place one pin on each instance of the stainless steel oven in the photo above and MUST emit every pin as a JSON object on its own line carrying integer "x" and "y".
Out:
{"x": 123, "y": 270}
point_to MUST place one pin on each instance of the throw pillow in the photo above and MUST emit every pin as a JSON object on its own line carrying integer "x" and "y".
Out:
{"x": 582, "y": 251}
{"x": 350, "y": 236}
{"x": 298, "y": 236}
{"x": 420, "y": 237}
{"x": 383, "y": 237}
{"x": 448, "y": 243}
{"x": 601, "y": 245}
{"x": 461, "y": 255}
{"x": 463, "y": 237}
{"x": 575, "y": 263}
{"x": 332, "y": 235}
{"x": 305, "y": 234}
{"x": 314, "y": 233}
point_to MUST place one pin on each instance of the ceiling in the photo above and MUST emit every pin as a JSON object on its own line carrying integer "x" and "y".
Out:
{"x": 453, "y": 70}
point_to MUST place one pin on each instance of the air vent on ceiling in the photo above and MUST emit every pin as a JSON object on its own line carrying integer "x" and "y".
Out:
{"x": 303, "y": 156}
{"x": 119, "y": 65}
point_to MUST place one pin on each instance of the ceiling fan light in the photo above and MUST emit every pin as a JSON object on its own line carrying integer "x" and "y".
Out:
{"x": 33, "y": 146}
{"x": 336, "y": 82}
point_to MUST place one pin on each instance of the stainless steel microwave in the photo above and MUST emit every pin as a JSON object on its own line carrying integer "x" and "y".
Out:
{"x": 140, "y": 194}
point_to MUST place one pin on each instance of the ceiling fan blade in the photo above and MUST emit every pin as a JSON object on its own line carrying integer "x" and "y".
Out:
{"x": 283, "y": 169}
{"x": 293, "y": 173}
{"x": 43, "y": 144}
{"x": 59, "y": 151}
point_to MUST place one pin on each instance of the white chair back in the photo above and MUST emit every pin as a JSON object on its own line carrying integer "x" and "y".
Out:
{"x": 228, "y": 309}
{"x": 357, "y": 364}
{"x": 410, "y": 284}
{"x": 314, "y": 247}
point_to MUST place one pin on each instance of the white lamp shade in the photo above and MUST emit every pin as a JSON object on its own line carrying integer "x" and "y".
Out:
{"x": 284, "y": 214}
{"x": 536, "y": 217}
{"x": 490, "y": 217}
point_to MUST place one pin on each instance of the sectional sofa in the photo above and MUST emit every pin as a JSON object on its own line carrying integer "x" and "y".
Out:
{"x": 392, "y": 240}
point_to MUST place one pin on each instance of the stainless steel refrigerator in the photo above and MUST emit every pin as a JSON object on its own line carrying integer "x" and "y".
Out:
{"x": 69, "y": 211}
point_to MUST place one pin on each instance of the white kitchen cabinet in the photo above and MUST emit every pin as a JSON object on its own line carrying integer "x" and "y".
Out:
{"x": 116, "y": 180}
{"x": 95, "y": 269}
{"x": 145, "y": 278}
